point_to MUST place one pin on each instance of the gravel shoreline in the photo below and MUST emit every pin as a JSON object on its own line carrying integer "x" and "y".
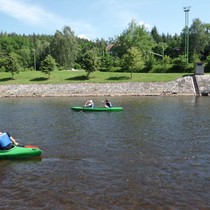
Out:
{"x": 181, "y": 86}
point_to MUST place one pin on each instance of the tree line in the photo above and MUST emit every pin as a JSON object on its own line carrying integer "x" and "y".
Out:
{"x": 135, "y": 50}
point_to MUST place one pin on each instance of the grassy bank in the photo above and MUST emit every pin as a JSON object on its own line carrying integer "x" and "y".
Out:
{"x": 64, "y": 77}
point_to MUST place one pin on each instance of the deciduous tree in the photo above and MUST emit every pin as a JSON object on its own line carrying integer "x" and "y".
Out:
{"x": 12, "y": 64}
{"x": 90, "y": 61}
{"x": 48, "y": 65}
{"x": 133, "y": 60}
{"x": 64, "y": 47}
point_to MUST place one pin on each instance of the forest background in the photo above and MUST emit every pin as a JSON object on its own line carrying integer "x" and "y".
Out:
{"x": 135, "y": 50}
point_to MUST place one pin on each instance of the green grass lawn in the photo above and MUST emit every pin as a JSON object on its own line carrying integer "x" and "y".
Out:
{"x": 64, "y": 77}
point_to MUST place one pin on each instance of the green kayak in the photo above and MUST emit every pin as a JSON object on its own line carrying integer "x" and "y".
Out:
{"x": 97, "y": 109}
{"x": 20, "y": 152}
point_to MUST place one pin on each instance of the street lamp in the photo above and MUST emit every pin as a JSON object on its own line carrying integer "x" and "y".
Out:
{"x": 34, "y": 51}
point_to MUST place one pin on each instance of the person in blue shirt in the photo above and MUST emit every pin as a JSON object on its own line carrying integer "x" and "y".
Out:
{"x": 7, "y": 141}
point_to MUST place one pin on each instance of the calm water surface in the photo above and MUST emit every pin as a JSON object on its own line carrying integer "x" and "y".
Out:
{"x": 153, "y": 155}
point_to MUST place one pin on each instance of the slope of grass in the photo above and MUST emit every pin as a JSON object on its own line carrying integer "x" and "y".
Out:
{"x": 64, "y": 77}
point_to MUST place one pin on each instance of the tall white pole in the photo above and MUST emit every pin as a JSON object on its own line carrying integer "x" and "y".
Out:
{"x": 186, "y": 10}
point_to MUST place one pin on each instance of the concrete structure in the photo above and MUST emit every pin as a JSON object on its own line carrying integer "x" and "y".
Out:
{"x": 199, "y": 68}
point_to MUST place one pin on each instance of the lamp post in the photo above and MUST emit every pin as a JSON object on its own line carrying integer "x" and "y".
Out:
{"x": 186, "y": 10}
{"x": 34, "y": 51}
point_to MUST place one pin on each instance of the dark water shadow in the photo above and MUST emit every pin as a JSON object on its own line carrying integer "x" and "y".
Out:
{"x": 21, "y": 160}
{"x": 39, "y": 79}
{"x": 119, "y": 78}
{"x": 6, "y": 79}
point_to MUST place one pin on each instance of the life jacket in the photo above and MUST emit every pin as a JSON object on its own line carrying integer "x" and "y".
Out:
{"x": 4, "y": 140}
{"x": 109, "y": 104}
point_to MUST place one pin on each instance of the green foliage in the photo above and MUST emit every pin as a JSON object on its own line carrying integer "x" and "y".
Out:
{"x": 180, "y": 64}
{"x": 134, "y": 36}
{"x": 12, "y": 64}
{"x": 83, "y": 46}
{"x": 25, "y": 56}
{"x": 149, "y": 64}
{"x": 64, "y": 48}
{"x": 107, "y": 61}
{"x": 158, "y": 53}
{"x": 90, "y": 61}
{"x": 48, "y": 65}
{"x": 207, "y": 64}
{"x": 154, "y": 33}
{"x": 163, "y": 66}
{"x": 157, "y": 68}
{"x": 199, "y": 39}
{"x": 2, "y": 63}
{"x": 133, "y": 60}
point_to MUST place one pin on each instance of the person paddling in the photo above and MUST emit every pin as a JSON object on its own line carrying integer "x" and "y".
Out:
{"x": 89, "y": 103}
{"x": 107, "y": 104}
{"x": 7, "y": 141}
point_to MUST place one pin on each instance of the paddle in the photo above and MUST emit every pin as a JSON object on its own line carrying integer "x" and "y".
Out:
{"x": 31, "y": 146}
{"x": 28, "y": 146}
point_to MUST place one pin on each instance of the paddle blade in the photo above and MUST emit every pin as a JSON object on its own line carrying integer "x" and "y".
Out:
{"x": 31, "y": 146}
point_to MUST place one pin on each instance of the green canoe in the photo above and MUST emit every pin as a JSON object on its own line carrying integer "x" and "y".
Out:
{"x": 97, "y": 109}
{"x": 20, "y": 152}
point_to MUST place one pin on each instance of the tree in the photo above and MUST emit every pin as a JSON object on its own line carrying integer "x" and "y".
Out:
{"x": 180, "y": 64}
{"x": 25, "y": 56}
{"x": 175, "y": 47}
{"x": 133, "y": 60}
{"x": 64, "y": 48}
{"x": 90, "y": 61}
{"x": 39, "y": 51}
{"x": 199, "y": 38}
{"x": 83, "y": 46}
{"x": 3, "y": 60}
{"x": 154, "y": 32}
{"x": 48, "y": 65}
{"x": 207, "y": 66}
{"x": 12, "y": 64}
{"x": 134, "y": 36}
{"x": 106, "y": 61}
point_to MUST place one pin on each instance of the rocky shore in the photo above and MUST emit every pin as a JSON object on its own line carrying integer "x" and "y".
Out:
{"x": 181, "y": 86}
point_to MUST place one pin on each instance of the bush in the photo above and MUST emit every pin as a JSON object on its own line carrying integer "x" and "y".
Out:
{"x": 179, "y": 64}
{"x": 207, "y": 64}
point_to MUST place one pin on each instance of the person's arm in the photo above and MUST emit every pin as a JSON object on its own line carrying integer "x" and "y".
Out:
{"x": 86, "y": 103}
{"x": 104, "y": 103}
{"x": 13, "y": 140}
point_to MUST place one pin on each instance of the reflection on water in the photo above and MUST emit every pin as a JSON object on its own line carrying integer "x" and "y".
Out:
{"x": 153, "y": 155}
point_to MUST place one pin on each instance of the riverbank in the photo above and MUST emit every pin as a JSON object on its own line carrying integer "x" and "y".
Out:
{"x": 181, "y": 86}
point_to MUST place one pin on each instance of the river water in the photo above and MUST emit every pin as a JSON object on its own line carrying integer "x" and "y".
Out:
{"x": 153, "y": 155}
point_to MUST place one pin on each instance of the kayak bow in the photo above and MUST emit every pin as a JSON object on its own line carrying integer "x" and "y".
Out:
{"x": 20, "y": 152}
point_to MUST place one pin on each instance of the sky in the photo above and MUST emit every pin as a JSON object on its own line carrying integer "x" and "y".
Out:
{"x": 96, "y": 19}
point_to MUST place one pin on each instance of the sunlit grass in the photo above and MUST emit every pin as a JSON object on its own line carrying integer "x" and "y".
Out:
{"x": 64, "y": 77}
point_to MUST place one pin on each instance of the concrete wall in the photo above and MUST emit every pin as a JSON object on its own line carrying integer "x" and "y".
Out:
{"x": 182, "y": 86}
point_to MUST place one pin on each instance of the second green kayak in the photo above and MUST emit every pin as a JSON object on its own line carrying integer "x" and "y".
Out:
{"x": 97, "y": 109}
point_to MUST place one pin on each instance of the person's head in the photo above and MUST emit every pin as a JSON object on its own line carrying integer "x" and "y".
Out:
{"x": 107, "y": 100}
